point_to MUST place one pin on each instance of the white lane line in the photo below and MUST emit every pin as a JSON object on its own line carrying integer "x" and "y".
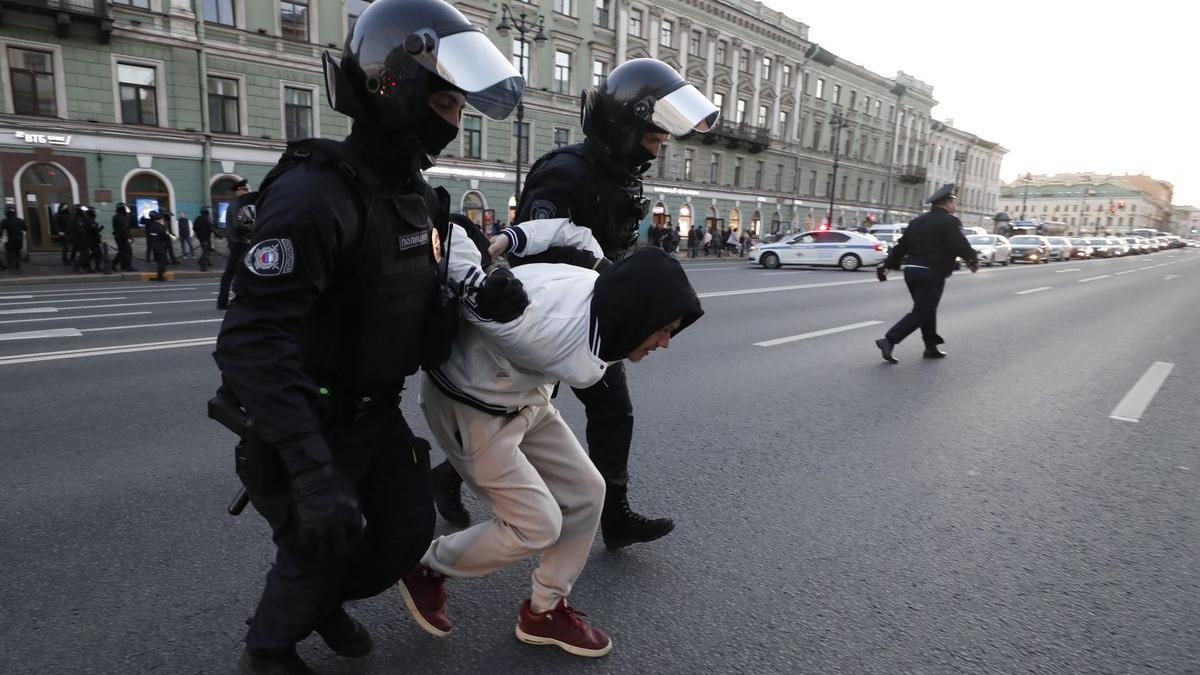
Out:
{"x": 30, "y": 310}
{"x": 36, "y": 334}
{"x": 1131, "y": 407}
{"x": 776, "y": 289}
{"x": 85, "y": 293}
{"x": 816, "y": 333}
{"x": 787, "y": 272}
{"x": 1170, "y": 277}
{"x": 139, "y": 304}
{"x": 1147, "y": 267}
{"x": 1162, "y": 264}
{"x": 1102, "y": 276}
{"x": 1073, "y": 269}
{"x": 151, "y": 325}
{"x": 1035, "y": 290}
{"x": 714, "y": 269}
{"x": 74, "y": 318}
{"x": 16, "y": 297}
{"x": 104, "y": 351}
{"x": 111, "y": 286}
{"x": 1117, "y": 274}
{"x": 43, "y": 302}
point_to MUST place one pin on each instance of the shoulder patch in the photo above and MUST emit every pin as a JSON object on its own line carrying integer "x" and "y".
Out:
{"x": 542, "y": 209}
{"x": 271, "y": 258}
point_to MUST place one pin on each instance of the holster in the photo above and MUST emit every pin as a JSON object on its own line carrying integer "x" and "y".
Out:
{"x": 257, "y": 465}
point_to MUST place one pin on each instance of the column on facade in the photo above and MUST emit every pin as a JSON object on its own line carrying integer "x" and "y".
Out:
{"x": 736, "y": 46}
{"x": 711, "y": 34}
{"x": 777, "y": 87}
{"x": 685, "y": 42}
{"x": 622, "y": 32}
{"x": 655, "y": 22}
{"x": 756, "y": 80}
{"x": 799, "y": 109}
{"x": 908, "y": 137}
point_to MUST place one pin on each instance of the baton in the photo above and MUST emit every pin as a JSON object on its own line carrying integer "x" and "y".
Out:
{"x": 240, "y": 500}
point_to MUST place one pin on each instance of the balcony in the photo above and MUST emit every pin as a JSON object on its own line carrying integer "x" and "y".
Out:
{"x": 912, "y": 174}
{"x": 66, "y": 11}
{"x": 739, "y": 134}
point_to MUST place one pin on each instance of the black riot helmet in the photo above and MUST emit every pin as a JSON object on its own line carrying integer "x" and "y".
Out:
{"x": 121, "y": 208}
{"x": 639, "y": 96}
{"x": 400, "y": 51}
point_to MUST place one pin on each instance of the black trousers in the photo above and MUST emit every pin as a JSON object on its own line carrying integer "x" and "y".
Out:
{"x": 609, "y": 424}
{"x": 12, "y": 252}
{"x": 926, "y": 288}
{"x": 124, "y": 259}
{"x": 205, "y": 252}
{"x": 391, "y": 476}
{"x": 159, "y": 250}
{"x": 237, "y": 251}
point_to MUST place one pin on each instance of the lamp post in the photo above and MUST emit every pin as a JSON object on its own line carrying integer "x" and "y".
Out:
{"x": 522, "y": 27}
{"x": 1025, "y": 198}
{"x": 899, "y": 90}
{"x": 838, "y": 121}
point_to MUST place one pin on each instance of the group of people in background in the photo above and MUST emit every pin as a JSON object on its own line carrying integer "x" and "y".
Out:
{"x": 715, "y": 241}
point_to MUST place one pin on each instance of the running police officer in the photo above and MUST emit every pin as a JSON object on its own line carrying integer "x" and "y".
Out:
{"x": 598, "y": 185}
{"x": 122, "y": 222}
{"x": 336, "y": 304}
{"x": 927, "y": 250}
{"x": 13, "y": 228}
{"x": 157, "y": 237}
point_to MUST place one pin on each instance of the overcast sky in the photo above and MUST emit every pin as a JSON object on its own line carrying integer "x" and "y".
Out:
{"x": 1064, "y": 85}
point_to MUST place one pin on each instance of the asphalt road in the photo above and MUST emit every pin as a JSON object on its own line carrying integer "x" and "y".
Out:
{"x": 982, "y": 513}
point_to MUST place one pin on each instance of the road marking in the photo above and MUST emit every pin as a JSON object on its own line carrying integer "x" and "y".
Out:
{"x": 1147, "y": 267}
{"x": 151, "y": 325}
{"x": 42, "y": 302}
{"x": 16, "y": 297}
{"x": 104, "y": 351}
{"x": 73, "y": 318}
{"x": 1117, "y": 274}
{"x": 35, "y": 334}
{"x": 83, "y": 293}
{"x": 776, "y": 289}
{"x": 1162, "y": 264}
{"x": 1131, "y": 407}
{"x": 111, "y": 287}
{"x": 714, "y": 269}
{"x": 787, "y": 272}
{"x": 139, "y": 304}
{"x": 1102, "y": 276}
{"x": 1035, "y": 290}
{"x": 1170, "y": 277}
{"x": 30, "y": 310}
{"x": 1073, "y": 269}
{"x": 817, "y": 333}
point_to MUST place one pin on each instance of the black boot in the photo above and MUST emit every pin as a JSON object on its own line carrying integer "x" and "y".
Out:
{"x": 345, "y": 636}
{"x": 623, "y": 526}
{"x": 288, "y": 663}
{"x": 447, "y": 495}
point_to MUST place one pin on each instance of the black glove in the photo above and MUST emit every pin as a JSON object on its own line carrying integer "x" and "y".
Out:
{"x": 326, "y": 509}
{"x": 502, "y": 297}
{"x": 881, "y": 273}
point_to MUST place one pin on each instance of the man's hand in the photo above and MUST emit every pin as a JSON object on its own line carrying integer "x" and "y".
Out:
{"x": 499, "y": 245}
{"x": 881, "y": 273}
{"x": 326, "y": 509}
{"x": 502, "y": 297}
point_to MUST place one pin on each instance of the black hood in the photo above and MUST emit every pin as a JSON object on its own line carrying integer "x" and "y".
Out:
{"x": 639, "y": 295}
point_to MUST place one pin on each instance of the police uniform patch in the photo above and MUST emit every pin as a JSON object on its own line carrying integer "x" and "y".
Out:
{"x": 271, "y": 258}
{"x": 542, "y": 209}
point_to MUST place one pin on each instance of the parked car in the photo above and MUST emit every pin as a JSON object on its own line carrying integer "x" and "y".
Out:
{"x": 889, "y": 239}
{"x": 1030, "y": 248}
{"x": 1080, "y": 249}
{"x": 992, "y": 249}
{"x": 1117, "y": 247}
{"x": 1100, "y": 247}
{"x": 844, "y": 249}
{"x": 1060, "y": 248}
{"x": 1136, "y": 245}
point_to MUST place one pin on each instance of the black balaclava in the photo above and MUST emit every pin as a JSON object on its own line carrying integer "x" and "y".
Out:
{"x": 638, "y": 296}
{"x": 436, "y": 133}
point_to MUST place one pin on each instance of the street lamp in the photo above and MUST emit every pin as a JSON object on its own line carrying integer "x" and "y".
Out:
{"x": 521, "y": 26}
{"x": 838, "y": 122}
{"x": 1025, "y": 199}
{"x": 899, "y": 90}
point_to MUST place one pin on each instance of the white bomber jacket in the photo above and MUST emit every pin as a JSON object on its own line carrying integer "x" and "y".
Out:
{"x": 501, "y": 368}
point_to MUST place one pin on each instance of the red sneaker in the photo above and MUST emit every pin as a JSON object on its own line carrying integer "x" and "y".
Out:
{"x": 424, "y": 592}
{"x": 562, "y": 626}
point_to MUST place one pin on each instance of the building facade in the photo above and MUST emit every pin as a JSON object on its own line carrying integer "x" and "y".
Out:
{"x": 1091, "y": 203}
{"x": 973, "y": 165}
{"x": 166, "y": 103}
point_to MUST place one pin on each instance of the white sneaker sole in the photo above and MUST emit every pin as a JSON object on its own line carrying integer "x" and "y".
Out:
{"x": 570, "y": 649}
{"x": 416, "y": 614}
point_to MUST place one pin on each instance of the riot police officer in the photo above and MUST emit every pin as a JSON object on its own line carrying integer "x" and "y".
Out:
{"x": 62, "y": 231}
{"x": 203, "y": 227}
{"x": 13, "y": 228}
{"x": 598, "y": 185}
{"x": 77, "y": 231}
{"x": 337, "y": 302}
{"x": 95, "y": 244}
{"x": 238, "y": 234}
{"x": 121, "y": 224}
{"x": 157, "y": 236}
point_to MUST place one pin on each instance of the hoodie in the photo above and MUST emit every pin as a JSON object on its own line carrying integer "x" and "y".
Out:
{"x": 638, "y": 296}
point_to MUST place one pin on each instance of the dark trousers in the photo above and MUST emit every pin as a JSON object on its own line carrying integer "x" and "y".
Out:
{"x": 12, "y": 251}
{"x": 391, "y": 475}
{"x": 205, "y": 252}
{"x": 159, "y": 249}
{"x": 124, "y": 259}
{"x": 609, "y": 424}
{"x": 926, "y": 288}
{"x": 237, "y": 251}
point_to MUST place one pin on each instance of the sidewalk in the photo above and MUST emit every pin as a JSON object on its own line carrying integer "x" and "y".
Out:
{"x": 47, "y": 267}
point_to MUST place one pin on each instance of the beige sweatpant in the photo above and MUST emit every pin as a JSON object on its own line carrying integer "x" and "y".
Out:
{"x": 545, "y": 493}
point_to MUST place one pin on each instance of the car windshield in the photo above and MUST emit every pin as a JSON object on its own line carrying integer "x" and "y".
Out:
{"x": 981, "y": 239}
{"x": 1025, "y": 240}
{"x": 1078, "y": 242}
{"x": 1097, "y": 241}
{"x": 1057, "y": 241}
{"x": 773, "y": 237}
{"x": 885, "y": 236}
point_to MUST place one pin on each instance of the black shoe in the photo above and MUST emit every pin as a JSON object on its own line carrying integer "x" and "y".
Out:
{"x": 885, "y": 347}
{"x": 447, "y": 496}
{"x": 622, "y": 526}
{"x": 934, "y": 353}
{"x": 288, "y": 663}
{"x": 345, "y": 636}
{"x": 222, "y": 305}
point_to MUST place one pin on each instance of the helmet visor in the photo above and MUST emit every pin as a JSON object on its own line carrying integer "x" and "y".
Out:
{"x": 685, "y": 110}
{"x": 469, "y": 61}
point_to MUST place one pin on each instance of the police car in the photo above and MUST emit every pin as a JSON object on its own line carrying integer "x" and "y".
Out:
{"x": 847, "y": 250}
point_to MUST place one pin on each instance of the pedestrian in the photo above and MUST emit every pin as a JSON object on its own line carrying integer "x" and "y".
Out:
{"x": 95, "y": 241}
{"x": 62, "y": 231}
{"x": 927, "y": 251}
{"x": 157, "y": 235}
{"x": 598, "y": 184}
{"x": 204, "y": 227}
{"x": 338, "y": 301}
{"x": 81, "y": 250}
{"x": 708, "y": 238}
{"x": 169, "y": 242}
{"x": 13, "y": 228}
{"x": 731, "y": 241}
{"x": 186, "y": 250}
{"x": 122, "y": 223}
{"x": 513, "y": 448}
{"x": 237, "y": 236}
